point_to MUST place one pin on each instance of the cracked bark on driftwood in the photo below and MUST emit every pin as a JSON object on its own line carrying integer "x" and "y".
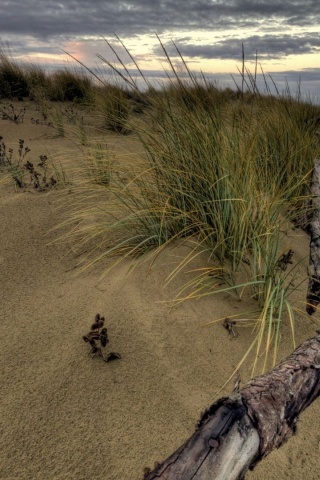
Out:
{"x": 236, "y": 432}
{"x": 313, "y": 294}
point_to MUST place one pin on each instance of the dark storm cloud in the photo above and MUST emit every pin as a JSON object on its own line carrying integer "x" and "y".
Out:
{"x": 266, "y": 46}
{"x": 48, "y": 18}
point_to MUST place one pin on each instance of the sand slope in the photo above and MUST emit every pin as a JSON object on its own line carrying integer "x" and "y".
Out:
{"x": 65, "y": 415}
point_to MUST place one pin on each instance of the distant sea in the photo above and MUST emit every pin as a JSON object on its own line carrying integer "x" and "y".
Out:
{"x": 303, "y": 85}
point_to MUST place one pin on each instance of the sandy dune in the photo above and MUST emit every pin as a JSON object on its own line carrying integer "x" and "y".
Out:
{"x": 66, "y": 415}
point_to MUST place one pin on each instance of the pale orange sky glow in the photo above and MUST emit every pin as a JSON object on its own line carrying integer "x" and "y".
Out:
{"x": 209, "y": 34}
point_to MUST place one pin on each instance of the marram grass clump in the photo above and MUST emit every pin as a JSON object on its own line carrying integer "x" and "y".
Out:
{"x": 227, "y": 170}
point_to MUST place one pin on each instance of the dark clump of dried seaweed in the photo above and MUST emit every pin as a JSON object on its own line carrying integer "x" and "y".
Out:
{"x": 98, "y": 339}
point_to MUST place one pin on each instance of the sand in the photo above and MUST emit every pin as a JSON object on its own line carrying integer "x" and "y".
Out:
{"x": 67, "y": 415}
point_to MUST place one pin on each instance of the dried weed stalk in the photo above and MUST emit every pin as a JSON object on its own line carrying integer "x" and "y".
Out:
{"x": 19, "y": 167}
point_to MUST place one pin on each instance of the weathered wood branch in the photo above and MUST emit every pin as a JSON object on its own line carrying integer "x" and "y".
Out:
{"x": 313, "y": 293}
{"x": 235, "y": 433}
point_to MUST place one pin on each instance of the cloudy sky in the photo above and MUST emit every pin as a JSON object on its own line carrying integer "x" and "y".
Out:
{"x": 209, "y": 34}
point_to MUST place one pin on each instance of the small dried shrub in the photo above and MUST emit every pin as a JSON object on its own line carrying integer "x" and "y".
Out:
{"x": 24, "y": 173}
{"x": 10, "y": 113}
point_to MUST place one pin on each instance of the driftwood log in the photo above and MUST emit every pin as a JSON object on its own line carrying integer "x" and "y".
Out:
{"x": 236, "y": 432}
{"x": 313, "y": 294}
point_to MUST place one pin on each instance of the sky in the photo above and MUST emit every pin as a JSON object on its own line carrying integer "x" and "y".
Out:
{"x": 284, "y": 34}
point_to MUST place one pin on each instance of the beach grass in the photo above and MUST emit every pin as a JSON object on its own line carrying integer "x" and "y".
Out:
{"x": 229, "y": 169}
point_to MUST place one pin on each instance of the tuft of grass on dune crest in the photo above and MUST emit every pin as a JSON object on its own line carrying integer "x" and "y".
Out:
{"x": 68, "y": 85}
{"x": 21, "y": 79}
{"x": 13, "y": 77}
{"x": 229, "y": 170}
